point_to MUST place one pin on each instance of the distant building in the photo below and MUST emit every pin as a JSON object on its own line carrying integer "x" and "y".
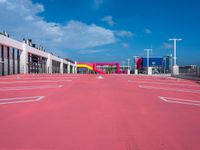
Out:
{"x": 159, "y": 65}
{"x": 25, "y": 57}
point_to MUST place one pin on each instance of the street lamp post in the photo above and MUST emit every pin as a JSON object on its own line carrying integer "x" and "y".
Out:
{"x": 128, "y": 66}
{"x": 175, "y": 67}
{"x": 135, "y": 58}
{"x": 148, "y": 68}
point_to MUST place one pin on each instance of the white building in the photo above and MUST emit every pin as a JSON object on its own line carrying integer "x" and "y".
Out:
{"x": 23, "y": 57}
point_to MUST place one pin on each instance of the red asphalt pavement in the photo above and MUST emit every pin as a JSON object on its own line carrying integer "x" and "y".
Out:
{"x": 82, "y": 112}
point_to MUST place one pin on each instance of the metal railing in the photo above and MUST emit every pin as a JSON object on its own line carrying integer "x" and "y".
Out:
{"x": 190, "y": 71}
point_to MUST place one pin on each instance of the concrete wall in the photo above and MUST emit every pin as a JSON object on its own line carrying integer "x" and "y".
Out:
{"x": 24, "y": 60}
{"x": 1, "y": 65}
{"x": 5, "y": 60}
{"x": 10, "y": 42}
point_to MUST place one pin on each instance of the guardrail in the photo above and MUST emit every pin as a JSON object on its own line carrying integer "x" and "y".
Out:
{"x": 190, "y": 73}
{"x": 198, "y": 71}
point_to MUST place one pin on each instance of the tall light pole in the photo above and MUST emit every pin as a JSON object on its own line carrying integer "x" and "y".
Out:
{"x": 128, "y": 62}
{"x": 147, "y": 50}
{"x": 128, "y": 66}
{"x": 175, "y": 41}
{"x": 175, "y": 67}
{"x": 134, "y": 60}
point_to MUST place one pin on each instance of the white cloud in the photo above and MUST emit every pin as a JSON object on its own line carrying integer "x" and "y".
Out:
{"x": 147, "y": 31}
{"x": 125, "y": 45}
{"x": 91, "y": 51}
{"x": 166, "y": 45}
{"x": 2, "y": 1}
{"x": 124, "y": 33}
{"x": 97, "y": 3}
{"x": 24, "y": 22}
{"x": 108, "y": 20}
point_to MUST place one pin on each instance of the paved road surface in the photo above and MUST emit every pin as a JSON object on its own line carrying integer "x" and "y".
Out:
{"x": 77, "y": 112}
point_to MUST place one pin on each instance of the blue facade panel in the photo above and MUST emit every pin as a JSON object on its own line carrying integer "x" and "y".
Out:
{"x": 157, "y": 62}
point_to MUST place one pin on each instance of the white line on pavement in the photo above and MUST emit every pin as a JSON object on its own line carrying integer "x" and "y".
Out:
{"x": 163, "y": 83}
{"x": 35, "y": 78}
{"x": 161, "y": 80}
{"x": 29, "y": 87}
{"x": 36, "y": 81}
{"x": 169, "y": 89}
{"x": 180, "y": 101}
{"x": 21, "y": 100}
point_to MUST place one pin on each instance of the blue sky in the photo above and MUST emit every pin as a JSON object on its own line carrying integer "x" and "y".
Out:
{"x": 106, "y": 30}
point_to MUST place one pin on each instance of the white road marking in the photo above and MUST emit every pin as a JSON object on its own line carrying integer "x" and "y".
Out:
{"x": 100, "y": 77}
{"x": 160, "y": 80}
{"x": 180, "y": 101}
{"x": 163, "y": 83}
{"x": 29, "y": 87}
{"x": 21, "y": 100}
{"x": 169, "y": 89}
{"x": 35, "y": 77}
{"x": 36, "y": 81}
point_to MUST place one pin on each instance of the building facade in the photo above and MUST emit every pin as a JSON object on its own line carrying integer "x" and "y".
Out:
{"x": 23, "y": 58}
{"x": 159, "y": 64}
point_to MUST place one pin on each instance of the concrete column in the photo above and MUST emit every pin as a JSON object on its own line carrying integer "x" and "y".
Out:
{"x": 5, "y": 60}
{"x": 68, "y": 67}
{"x": 73, "y": 70}
{"x": 136, "y": 72}
{"x": 49, "y": 64}
{"x": 128, "y": 71}
{"x": 61, "y": 66}
{"x": 149, "y": 70}
{"x": 24, "y": 59}
{"x": 175, "y": 70}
